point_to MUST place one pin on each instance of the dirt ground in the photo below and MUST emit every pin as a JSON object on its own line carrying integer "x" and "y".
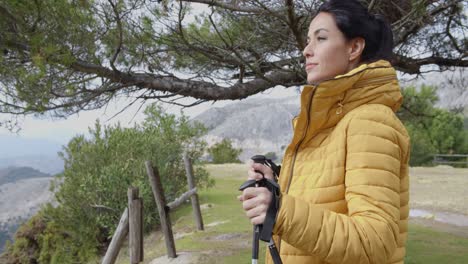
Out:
{"x": 440, "y": 190}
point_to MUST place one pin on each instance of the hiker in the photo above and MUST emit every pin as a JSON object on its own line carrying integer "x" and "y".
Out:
{"x": 344, "y": 176}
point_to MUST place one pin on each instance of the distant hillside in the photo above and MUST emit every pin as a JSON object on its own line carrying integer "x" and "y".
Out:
{"x": 12, "y": 174}
{"x": 50, "y": 164}
{"x": 22, "y": 192}
{"x": 257, "y": 126}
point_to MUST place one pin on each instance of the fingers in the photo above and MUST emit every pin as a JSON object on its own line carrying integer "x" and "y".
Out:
{"x": 253, "y": 175}
{"x": 261, "y": 194}
{"x": 255, "y": 202}
{"x": 255, "y": 211}
{"x": 258, "y": 220}
{"x": 267, "y": 171}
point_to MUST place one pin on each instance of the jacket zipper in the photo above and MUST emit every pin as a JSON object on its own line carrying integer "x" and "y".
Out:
{"x": 296, "y": 149}
{"x": 300, "y": 141}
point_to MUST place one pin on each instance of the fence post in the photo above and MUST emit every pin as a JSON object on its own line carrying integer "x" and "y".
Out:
{"x": 194, "y": 197}
{"x": 117, "y": 239}
{"x": 135, "y": 215}
{"x": 158, "y": 193}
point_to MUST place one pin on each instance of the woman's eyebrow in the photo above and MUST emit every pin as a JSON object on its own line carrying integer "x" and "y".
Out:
{"x": 317, "y": 31}
{"x": 320, "y": 29}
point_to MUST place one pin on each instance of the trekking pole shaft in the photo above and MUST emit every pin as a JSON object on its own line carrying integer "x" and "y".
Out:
{"x": 274, "y": 252}
{"x": 256, "y": 240}
{"x": 255, "y": 244}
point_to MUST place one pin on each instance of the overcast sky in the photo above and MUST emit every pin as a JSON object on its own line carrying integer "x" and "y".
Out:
{"x": 64, "y": 129}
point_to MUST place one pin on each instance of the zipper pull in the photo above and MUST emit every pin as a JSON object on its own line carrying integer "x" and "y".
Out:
{"x": 339, "y": 110}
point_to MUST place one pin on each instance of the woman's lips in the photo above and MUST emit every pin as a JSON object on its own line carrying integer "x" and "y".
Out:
{"x": 310, "y": 66}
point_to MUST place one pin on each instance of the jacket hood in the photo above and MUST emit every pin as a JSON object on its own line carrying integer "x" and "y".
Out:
{"x": 326, "y": 103}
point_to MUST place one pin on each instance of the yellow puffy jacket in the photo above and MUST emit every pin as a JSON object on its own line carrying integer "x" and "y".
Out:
{"x": 344, "y": 179}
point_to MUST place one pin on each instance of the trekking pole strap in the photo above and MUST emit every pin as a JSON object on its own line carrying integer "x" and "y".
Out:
{"x": 270, "y": 218}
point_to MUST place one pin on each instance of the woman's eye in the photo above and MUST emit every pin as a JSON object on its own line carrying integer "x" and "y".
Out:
{"x": 321, "y": 38}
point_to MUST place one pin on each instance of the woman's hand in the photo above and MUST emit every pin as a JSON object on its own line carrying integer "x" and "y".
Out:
{"x": 255, "y": 200}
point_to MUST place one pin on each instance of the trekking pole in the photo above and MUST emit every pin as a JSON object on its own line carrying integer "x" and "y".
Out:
{"x": 258, "y": 231}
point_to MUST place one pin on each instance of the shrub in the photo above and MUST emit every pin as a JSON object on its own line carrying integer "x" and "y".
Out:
{"x": 224, "y": 152}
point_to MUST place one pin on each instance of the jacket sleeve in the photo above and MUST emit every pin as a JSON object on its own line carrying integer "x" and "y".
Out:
{"x": 369, "y": 232}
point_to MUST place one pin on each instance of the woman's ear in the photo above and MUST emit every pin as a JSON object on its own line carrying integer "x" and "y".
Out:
{"x": 357, "y": 46}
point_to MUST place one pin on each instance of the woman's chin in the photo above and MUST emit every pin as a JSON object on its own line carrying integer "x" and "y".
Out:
{"x": 313, "y": 81}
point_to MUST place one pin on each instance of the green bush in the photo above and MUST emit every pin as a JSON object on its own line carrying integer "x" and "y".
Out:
{"x": 224, "y": 152}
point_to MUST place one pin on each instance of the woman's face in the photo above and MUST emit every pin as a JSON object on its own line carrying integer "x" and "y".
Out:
{"x": 327, "y": 52}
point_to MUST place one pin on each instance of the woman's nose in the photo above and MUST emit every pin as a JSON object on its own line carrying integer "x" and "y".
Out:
{"x": 308, "y": 51}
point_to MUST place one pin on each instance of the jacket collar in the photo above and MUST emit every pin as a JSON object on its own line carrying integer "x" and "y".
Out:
{"x": 326, "y": 103}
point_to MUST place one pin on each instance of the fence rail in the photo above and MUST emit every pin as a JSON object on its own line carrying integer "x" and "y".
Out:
{"x": 450, "y": 159}
{"x": 117, "y": 239}
{"x": 177, "y": 202}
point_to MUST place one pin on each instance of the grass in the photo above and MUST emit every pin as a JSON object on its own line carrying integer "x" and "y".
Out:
{"x": 430, "y": 246}
{"x": 229, "y": 241}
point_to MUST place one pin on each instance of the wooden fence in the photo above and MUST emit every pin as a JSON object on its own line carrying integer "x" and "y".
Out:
{"x": 131, "y": 221}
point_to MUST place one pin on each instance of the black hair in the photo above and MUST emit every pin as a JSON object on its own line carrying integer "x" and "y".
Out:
{"x": 354, "y": 20}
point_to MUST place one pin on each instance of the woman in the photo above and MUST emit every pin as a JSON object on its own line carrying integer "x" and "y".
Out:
{"x": 344, "y": 177}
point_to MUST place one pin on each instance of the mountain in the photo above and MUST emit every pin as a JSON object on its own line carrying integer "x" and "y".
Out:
{"x": 22, "y": 192}
{"x": 258, "y": 126}
{"x": 50, "y": 164}
{"x": 12, "y": 174}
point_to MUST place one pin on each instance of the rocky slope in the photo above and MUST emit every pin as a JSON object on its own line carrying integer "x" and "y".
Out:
{"x": 258, "y": 126}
